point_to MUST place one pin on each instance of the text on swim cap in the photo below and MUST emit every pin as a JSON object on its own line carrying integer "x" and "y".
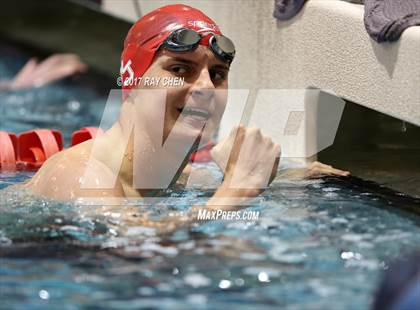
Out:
{"x": 202, "y": 24}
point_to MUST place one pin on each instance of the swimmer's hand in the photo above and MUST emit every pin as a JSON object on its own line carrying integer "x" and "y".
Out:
{"x": 317, "y": 170}
{"x": 55, "y": 67}
{"x": 249, "y": 161}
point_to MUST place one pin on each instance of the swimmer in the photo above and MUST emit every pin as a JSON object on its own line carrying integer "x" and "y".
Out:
{"x": 175, "y": 41}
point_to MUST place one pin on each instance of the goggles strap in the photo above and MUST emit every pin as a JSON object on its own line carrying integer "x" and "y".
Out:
{"x": 205, "y": 39}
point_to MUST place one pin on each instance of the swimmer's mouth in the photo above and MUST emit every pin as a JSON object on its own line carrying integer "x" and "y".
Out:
{"x": 195, "y": 112}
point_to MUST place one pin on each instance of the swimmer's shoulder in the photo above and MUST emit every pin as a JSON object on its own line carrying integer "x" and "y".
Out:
{"x": 73, "y": 174}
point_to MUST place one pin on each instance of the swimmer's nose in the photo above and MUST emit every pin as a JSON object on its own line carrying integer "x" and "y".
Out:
{"x": 203, "y": 88}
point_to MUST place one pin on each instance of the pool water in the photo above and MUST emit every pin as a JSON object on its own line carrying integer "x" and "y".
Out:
{"x": 318, "y": 244}
{"x": 66, "y": 105}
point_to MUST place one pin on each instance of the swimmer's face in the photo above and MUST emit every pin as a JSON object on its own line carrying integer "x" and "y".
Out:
{"x": 204, "y": 91}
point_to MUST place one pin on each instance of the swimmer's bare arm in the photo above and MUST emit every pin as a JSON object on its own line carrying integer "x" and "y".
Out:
{"x": 53, "y": 68}
{"x": 314, "y": 170}
{"x": 60, "y": 177}
{"x": 243, "y": 179}
{"x": 253, "y": 172}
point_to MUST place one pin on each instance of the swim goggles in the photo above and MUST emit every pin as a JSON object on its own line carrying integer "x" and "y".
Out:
{"x": 184, "y": 39}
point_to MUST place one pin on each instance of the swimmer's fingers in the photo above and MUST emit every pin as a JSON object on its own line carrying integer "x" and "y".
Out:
{"x": 317, "y": 169}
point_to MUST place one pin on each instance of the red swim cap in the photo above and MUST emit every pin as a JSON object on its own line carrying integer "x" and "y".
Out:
{"x": 149, "y": 32}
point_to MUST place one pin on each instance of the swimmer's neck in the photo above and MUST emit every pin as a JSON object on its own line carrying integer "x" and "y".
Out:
{"x": 113, "y": 145}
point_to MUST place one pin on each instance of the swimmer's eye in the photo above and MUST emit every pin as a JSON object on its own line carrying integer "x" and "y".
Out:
{"x": 181, "y": 70}
{"x": 218, "y": 76}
